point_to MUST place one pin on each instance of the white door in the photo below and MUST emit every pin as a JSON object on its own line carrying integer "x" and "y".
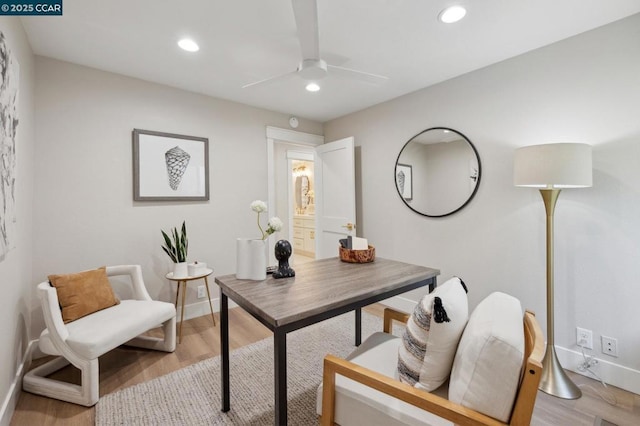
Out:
{"x": 335, "y": 195}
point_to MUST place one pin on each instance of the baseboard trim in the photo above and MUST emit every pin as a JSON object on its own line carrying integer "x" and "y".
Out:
{"x": 613, "y": 374}
{"x": 11, "y": 398}
{"x": 201, "y": 308}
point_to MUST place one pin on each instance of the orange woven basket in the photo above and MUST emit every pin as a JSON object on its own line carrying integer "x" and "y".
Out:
{"x": 357, "y": 256}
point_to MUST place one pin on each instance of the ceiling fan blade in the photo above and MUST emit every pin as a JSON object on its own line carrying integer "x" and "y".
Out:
{"x": 358, "y": 75}
{"x": 269, "y": 80}
{"x": 306, "y": 15}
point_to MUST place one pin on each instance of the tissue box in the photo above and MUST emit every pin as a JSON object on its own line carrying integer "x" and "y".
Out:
{"x": 196, "y": 268}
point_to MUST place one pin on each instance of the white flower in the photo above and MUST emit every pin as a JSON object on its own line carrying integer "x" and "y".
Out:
{"x": 274, "y": 225}
{"x": 259, "y": 206}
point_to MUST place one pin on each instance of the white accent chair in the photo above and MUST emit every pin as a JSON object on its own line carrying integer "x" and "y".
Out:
{"x": 82, "y": 341}
{"x": 363, "y": 389}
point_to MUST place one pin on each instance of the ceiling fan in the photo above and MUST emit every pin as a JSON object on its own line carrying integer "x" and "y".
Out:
{"x": 312, "y": 68}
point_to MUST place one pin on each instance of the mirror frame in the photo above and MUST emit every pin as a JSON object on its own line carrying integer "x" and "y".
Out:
{"x": 475, "y": 190}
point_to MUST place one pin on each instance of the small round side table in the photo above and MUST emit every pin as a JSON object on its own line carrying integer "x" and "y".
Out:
{"x": 182, "y": 281}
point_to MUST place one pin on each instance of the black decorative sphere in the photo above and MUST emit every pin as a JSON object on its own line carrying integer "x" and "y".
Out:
{"x": 282, "y": 252}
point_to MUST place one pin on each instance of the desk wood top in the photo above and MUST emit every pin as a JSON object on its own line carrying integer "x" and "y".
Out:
{"x": 321, "y": 286}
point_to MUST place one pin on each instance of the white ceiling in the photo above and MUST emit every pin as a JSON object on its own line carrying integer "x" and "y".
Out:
{"x": 242, "y": 41}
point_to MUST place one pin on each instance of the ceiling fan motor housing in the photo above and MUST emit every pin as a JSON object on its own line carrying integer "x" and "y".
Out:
{"x": 312, "y": 69}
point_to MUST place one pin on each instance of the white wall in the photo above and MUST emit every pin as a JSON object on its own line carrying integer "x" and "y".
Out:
{"x": 15, "y": 270}
{"x": 85, "y": 213}
{"x": 583, "y": 89}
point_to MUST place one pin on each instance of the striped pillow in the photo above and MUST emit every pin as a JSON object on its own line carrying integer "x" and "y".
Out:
{"x": 432, "y": 335}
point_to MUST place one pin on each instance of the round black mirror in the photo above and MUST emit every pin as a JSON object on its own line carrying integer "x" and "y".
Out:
{"x": 437, "y": 172}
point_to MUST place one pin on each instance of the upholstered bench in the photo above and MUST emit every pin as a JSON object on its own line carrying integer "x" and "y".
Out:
{"x": 81, "y": 341}
{"x": 102, "y": 331}
{"x": 494, "y": 377}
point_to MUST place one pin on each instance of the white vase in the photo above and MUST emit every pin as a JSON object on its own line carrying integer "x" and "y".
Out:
{"x": 180, "y": 270}
{"x": 251, "y": 259}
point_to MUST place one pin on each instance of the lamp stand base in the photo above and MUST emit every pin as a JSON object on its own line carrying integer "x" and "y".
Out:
{"x": 554, "y": 380}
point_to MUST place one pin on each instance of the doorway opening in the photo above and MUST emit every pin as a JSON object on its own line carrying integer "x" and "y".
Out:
{"x": 283, "y": 147}
{"x": 302, "y": 206}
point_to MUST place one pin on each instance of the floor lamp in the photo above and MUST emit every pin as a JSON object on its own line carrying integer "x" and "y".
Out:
{"x": 550, "y": 168}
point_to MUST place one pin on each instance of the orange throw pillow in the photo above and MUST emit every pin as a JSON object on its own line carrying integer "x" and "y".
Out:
{"x": 83, "y": 293}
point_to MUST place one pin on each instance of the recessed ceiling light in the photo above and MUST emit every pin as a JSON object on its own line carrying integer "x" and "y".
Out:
{"x": 312, "y": 87}
{"x": 188, "y": 45}
{"x": 452, "y": 14}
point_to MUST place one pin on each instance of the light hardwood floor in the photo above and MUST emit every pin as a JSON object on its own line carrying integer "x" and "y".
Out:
{"x": 124, "y": 367}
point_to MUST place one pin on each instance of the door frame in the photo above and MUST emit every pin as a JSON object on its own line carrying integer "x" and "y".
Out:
{"x": 292, "y": 137}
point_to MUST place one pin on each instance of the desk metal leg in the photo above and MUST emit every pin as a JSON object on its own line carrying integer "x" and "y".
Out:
{"x": 280, "y": 376}
{"x": 206, "y": 283}
{"x": 224, "y": 346}
{"x": 358, "y": 326}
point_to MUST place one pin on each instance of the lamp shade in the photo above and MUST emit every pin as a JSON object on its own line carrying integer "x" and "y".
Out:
{"x": 556, "y": 165}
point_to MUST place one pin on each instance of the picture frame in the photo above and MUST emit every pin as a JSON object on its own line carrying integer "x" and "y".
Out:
{"x": 170, "y": 167}
{"x": 404, "y": 181}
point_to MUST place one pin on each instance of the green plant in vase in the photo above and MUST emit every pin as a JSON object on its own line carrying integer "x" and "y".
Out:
{"x": 177, "y": 247}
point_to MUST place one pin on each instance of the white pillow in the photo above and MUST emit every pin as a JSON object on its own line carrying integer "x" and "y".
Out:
{"x": 432, "y": 335}
{"x": 487, "y": 365}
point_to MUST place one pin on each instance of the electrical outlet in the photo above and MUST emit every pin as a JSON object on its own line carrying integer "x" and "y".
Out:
{"x": 584, "y": 338}
{"x": 610, "y": 346}
{"x": 201, "y": 292}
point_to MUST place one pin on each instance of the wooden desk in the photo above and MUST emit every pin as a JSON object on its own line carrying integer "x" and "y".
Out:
{"x": 320, "y": 290}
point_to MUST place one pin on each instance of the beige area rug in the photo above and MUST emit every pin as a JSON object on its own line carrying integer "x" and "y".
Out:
{"x": 191, "y": 396}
